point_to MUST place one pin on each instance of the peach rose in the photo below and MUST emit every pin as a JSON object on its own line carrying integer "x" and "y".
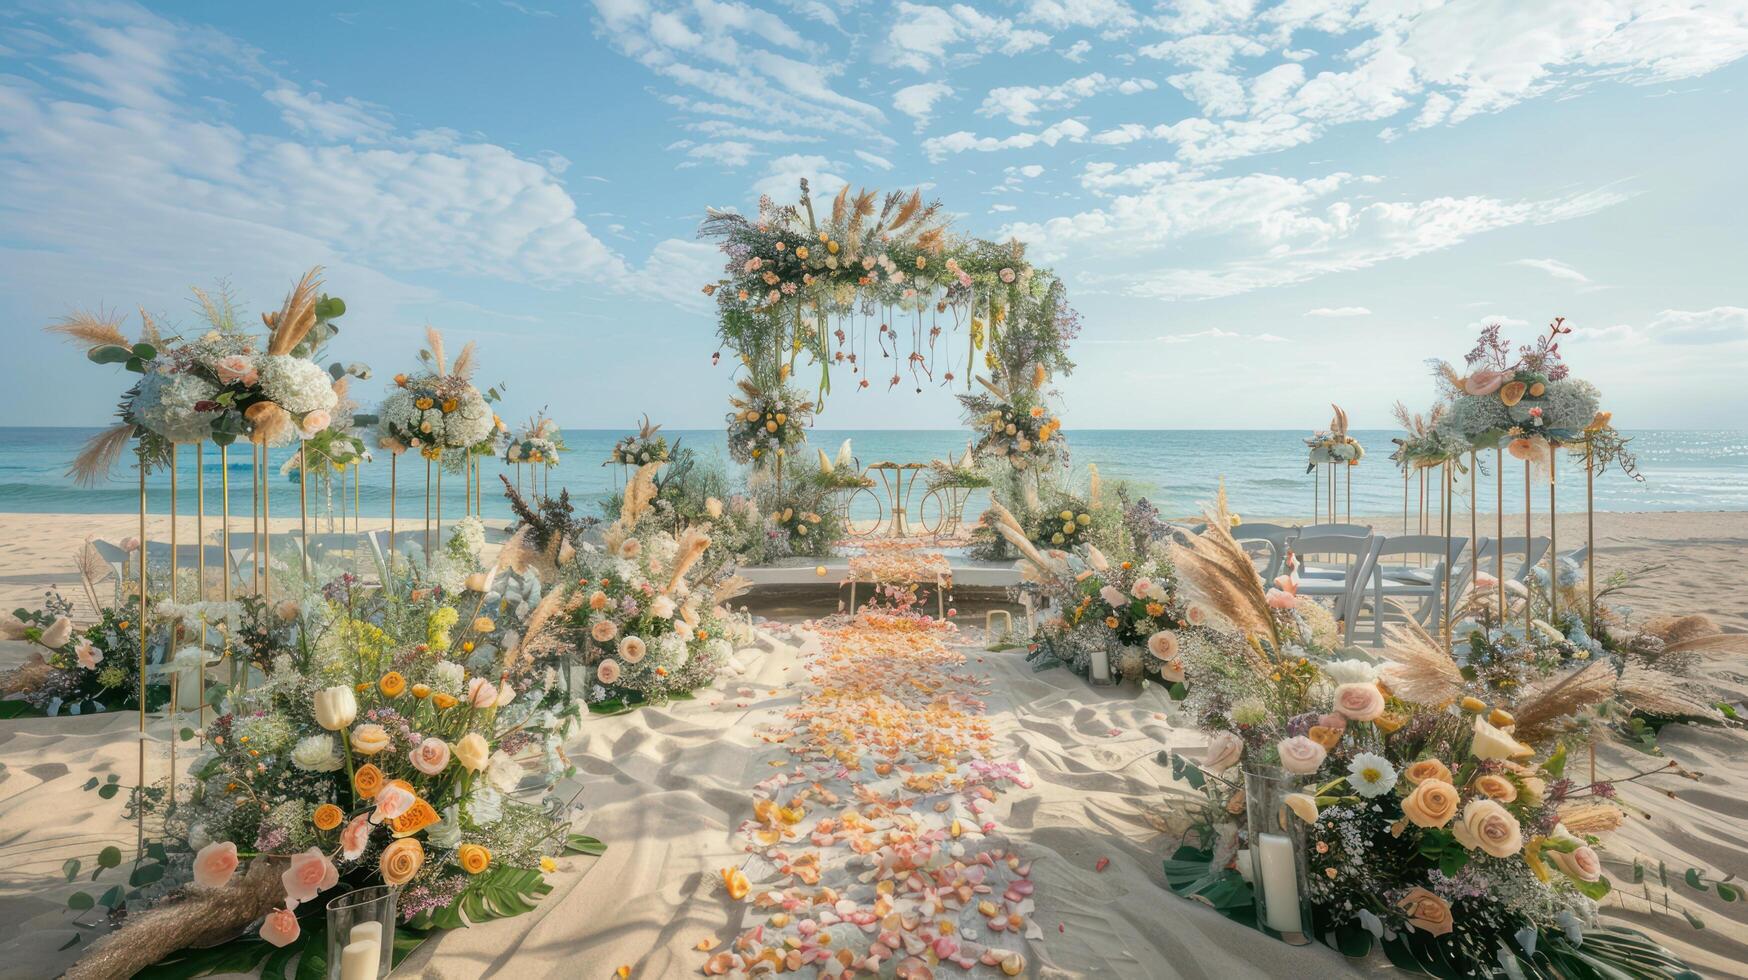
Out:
{"x": 1432, "y": 803}
{"x": 473, "y": 858}
{"x": 597, "y": 600}
{"x": 1580, "y": 865}
{"x": 215, "y": 864}
{"x": 1300, "y": 755}
{"x": 608, "y": 672}
{"x": 310, "y": 874}
{"x": 1171, "y": 671}
{"x": 58, "y": 633}
{"x": 392, "y": 801}
{"x": 280, "y": 927}
{"x": 1488, "y": 826}
{"x": 430, "y": 756}
{"x": 1325, "y": 736}
{"x": 1426, "y": 769}
{"x": 1484, "y": 382}
{"x": 1163, "y": 645}
{"x": 88, "y": 654}
{"x": 314, "y": 422}
{"x": 472, "y": 752}
{"x": 368, "y": 739}
{"x": 604, "y": 631}
{"x": 1224, "y": 751}
{"x": 1496, "y": 787}
{"x": 355, "y": 838}
{"x": 1280, "y": 599}
{"x": 1359, "y": 702}
{"x": 632, "y": 649}
{"x": 1426, "y": 912}
{"x": 235, "y": 368}
{"x": 401, "y": 860}
{"x": 481, "y": 693}
{"x": 1196, "y": 615}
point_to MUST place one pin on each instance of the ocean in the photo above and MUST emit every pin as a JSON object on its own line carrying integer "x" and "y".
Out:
{"x": 1176, "y": 469}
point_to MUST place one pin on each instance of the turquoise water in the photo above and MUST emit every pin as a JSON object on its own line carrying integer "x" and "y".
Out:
{"x": 1264, "y": 471}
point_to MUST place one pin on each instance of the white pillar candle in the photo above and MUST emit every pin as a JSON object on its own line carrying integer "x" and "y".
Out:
{"x": 371, "y": 931}
{"x": 359, "y": 960}
{"x": 1280, "y": 882}
{"x": 1101, "y": 665}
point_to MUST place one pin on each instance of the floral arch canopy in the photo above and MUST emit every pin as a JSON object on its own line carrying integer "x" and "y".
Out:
{"x": 878, "y": 289}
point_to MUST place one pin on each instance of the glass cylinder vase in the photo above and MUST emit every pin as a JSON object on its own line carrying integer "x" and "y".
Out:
{"x": 361, "y": 931}
{"x": 1280, "y": 870}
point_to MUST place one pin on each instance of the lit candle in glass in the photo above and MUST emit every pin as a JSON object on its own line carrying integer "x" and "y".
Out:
{"x": 360, "y": 958}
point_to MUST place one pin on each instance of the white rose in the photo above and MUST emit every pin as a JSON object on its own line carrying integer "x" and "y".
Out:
{"x": 316, "y": 754}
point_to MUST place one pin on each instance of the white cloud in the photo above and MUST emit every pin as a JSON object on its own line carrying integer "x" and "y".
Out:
{"x": 345, "y": 119}
{"x": 922, "y": 36}
{"x": 1338, "y": 311}
{"x": 1077, "y": 51}
{"x": 1002, "y": 208}
{"x": 1021, "y": 103}
{"x": 1106, "y": 15}
{"x": 727, "y": 153}
{"x": 938, "y": 147}
{"x": 1264, "y": 230}
{"x": 1718, "y": 325}
{"x": 918, "y": 101}
{"x": 782, "y": 180}
{"x": 1555, "y": 268}
{"x": 722, "y": 129}
{"x": 1495, "y": 319}
{"x": 874, "y": 160}
{"x": 1104, "y": 177}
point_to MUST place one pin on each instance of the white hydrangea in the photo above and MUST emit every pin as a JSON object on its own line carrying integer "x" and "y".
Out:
{"x": 471, "y": 532}
{"x": 449, "y": 676}
{"x": 297, "y": 385}
{"x": 1351, "y": 671}
{"x": 165, "y": 405}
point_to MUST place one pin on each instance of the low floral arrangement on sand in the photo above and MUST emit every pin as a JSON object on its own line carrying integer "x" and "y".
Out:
{"x": 1434, "y": 803}
{"x": 643, "y": 630}
{"x": 385, "y": 742}
{"x": 437, "y": 410}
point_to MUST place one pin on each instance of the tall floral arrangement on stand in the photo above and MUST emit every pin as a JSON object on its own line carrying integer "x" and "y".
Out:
{"x": 438, "y": 409}
{"x": 646, "y": 445}
{"x": 1524, "y": 397}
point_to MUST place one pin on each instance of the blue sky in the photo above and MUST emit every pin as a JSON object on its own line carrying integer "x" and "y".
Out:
{"x": 1259, "y": 207}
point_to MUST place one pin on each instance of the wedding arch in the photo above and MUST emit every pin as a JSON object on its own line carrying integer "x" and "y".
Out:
{"x": 878, "y": 286}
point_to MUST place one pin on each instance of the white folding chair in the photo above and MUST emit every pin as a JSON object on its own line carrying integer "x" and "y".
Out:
{"x": 1533, "y": 552}
{"x": 1275, "y": 535}
{"x": 1344, "y": 567}
{"x": 1401, "y": 581}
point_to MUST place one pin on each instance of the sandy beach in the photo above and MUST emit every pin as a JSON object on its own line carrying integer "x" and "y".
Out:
{"x": 665, "y": 787}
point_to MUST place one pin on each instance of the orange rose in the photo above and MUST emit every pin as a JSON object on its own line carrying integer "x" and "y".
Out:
{"x": 1426, "y": 912}
{"x": 367, "y": 781}
{"x": 1432, "y": 803}
{"x": 401, "y": 860}
{"x": 1326, "y": 737}
{"x": 393, "y": 684}
{"x": 473, "y": 858}
{"x": 1426, "y": 769}
{"x": 418, "y": 816}
{"x": 327, "y": 816}
{"x": 443, "y": 701}
{"x": 1496, "y": 787}
{"x": 421, "y": 691}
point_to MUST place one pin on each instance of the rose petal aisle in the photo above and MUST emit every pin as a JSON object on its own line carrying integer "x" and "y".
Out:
{"x": 873, "y": 847}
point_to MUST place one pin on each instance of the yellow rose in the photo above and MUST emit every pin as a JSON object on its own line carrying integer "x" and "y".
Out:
{"x": 473, "y": 858}
{"x": 472, "y": 752}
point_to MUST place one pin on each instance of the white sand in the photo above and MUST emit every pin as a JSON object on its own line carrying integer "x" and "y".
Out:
{"x": 666, "y": 787}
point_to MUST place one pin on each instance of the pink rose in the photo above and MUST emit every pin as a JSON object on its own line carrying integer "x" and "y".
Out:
{"x": 430, "y": 756}
{"x": 1484, "y": 382}
{"x": 355, "y": 838}
{"x": 235, "y": 368}
{"x": 1171, "y": 671}
{"x": 310, "y": 874}
{"x": 1279, "y": 599}
{"x": 1113, "y": 598}
{"x": 604, "y": 630}
{"x": 280, "y": 927}
{"x": 314, "y": 422}
{"x": 392, "y": 801}
{"x": 608, "y": 672}
{"x": 481, "y": 693}
{"x": 1196, "y": 615}
{"x": 1359, "y": 702}
{"x": 1582, "y": 864}
{"x": 1224, "y": 751}
{"x": 215, "y": 864}
{"x": 1334, "y": 723}
{"x": 1300, "y": 755}
{"x": 1140, "y": 588}
{"x": 1163, "y": 645}
{"x": 88, "y": 654}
